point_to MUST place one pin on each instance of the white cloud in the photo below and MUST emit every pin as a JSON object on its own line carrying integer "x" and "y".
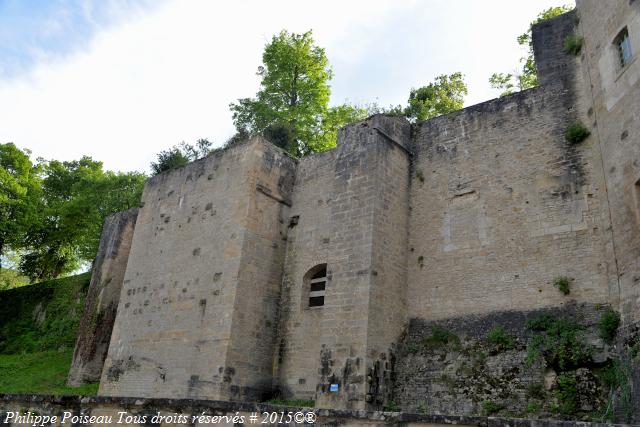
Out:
{"x": 170, "y": 75}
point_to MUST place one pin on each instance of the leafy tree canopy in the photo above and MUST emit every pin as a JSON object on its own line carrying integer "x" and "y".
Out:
{"x": 76, "y": 198}
{"x": 442, "y": 96}
{"x": 180, "y": 155}
{"x": 293, "y": 96}
{"x": 527, "y": 76}
{"x": 291, "y": 108}
{"x": 20, "y": 196}
{"x": 445, "y": 95}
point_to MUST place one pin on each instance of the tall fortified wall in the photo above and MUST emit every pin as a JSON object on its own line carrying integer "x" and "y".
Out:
{"x": 251, "y": 273}
{"x": 614, "y": 114}
{"x": 103, "y": 297}
{"x": 502, "y": 204}
{"x": 350, "y": 207}
{"x": 200, "y": 295}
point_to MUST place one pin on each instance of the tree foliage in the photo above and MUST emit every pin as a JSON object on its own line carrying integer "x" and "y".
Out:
{"x": 294, "y": 94}
{"x": 291, "y": 108}
{"x": 444, "y": 95}
{"x": 527, "y": 76}
{"x": 20, "y": 197}
{"x": 180, "y": 155}
{"x": 75, "y": 197}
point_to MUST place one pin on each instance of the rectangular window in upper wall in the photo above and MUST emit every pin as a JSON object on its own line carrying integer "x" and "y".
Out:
{"x": 623, "y": 44}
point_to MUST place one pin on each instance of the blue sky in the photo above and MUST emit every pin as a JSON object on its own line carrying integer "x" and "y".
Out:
{"x": 120, "y": 80}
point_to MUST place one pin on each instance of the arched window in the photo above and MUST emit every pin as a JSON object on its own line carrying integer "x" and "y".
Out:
{"x": 316, "y": 283}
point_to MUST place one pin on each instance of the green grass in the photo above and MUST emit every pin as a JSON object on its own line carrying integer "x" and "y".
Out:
{"x": 44, "y": 316}
{"x": 38, "y": 327}
{"x": 42, "y": 373}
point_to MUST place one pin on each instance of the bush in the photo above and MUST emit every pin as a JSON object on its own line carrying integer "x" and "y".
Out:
{"x": 635, "y": 349}
{"x": 441, "y": 337}
{"x": 558, "y": 341}
{"x": 536, "y": 391}
{"x": 563, "y": 284}
{"x": 576, "y": 133}
{"x": 392, "y": 407}
{"x": 608, "y": 325}
{"x": 573, "y": 44}
{"x": 532, "y": 407}
{"x": 617, "y": 376}
{"x": 490, "y": 407}
{"x": 567, "y": 393}
{"x": 499, "y": 337}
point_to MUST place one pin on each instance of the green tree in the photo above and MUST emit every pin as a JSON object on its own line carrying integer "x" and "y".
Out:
{"x": 180, "y": 155}
{"x": 444, "y": 95}
{"x": 527, "y": 76}
{"x": 293, "y": 97}
{"x": 77, "y": 196}
{"x": 336, "y": 118}
{"x": 20, "y": 196}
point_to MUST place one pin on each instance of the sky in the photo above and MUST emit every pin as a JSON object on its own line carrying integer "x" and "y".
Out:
{"x": 121, "y": 80}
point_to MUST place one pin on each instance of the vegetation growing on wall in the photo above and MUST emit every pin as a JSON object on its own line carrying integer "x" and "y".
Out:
{"x": 608, "y": 325}
{"x": 563, "y": 284}
{"x": 548, "y": 366}
{"x": 499, "y": 337}
{"x": 573, "y": 44}
{"x": 616, "y": 376}
{"x": 559, "y": 341}
{"x": 576, "y": 133}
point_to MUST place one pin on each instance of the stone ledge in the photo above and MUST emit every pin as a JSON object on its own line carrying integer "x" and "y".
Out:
{"x": 325, "y": 416}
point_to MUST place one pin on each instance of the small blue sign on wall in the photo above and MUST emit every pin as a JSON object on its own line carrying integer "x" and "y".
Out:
{"x": 334, "y": 387}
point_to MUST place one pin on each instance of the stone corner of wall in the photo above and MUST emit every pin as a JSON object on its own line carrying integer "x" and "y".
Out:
{"x": 548, "y": 37}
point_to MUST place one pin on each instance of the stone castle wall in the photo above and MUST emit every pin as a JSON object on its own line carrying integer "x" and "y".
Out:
{"x": 615, "y": 118}
{"x": 103, "y": 296}
{"x": 502, "y": 205}
{"x": 350, "y": 208}
{"x": 474, "y": 213}
{"x": 190, "y": 302}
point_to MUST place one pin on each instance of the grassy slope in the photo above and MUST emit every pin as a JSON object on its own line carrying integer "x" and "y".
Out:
{"x": 44, "y": 372}
{"x": 38, "y": 326}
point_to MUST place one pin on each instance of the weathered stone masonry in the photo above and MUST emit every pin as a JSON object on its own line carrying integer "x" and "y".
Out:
{"x": 459, "y": 219}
